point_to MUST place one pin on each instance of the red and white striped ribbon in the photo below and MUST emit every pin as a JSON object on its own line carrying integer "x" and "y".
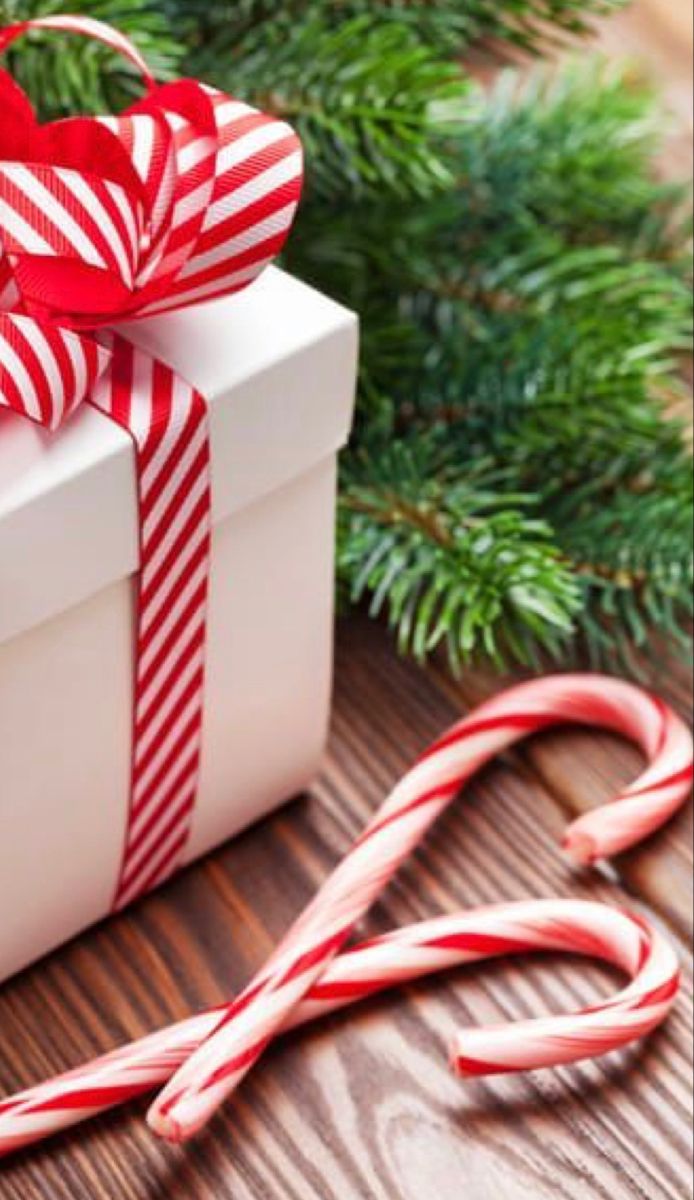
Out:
{"x": 186, "y": 196}
{"x": 167, "y": 420}
{"x": 253, "y": 1019}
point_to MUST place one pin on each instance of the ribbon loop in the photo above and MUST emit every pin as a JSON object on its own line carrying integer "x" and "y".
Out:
{"x": 87, "y": 27}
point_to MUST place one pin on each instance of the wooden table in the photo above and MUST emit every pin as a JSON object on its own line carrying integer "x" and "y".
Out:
{"x": 363, "y": 1107}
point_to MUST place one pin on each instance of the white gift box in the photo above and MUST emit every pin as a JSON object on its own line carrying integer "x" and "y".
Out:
{"x": 277, "y": 364}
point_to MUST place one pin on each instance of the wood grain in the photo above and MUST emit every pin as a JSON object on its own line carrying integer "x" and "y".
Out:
{"x": 362, "y": 1107}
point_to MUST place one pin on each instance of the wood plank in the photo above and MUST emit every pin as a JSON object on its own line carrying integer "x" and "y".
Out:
{"x": 364, "y": 1106}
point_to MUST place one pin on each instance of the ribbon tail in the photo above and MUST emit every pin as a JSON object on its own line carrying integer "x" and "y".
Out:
{"x": 167, "y": 420}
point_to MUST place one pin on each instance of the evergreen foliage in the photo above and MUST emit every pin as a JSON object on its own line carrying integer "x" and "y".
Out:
{"x": 368, "y": 98}
{"x": 515, "y": 487}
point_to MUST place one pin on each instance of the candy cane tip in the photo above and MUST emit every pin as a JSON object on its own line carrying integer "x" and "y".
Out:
{"x": 580, "y": 848}
{"x": 166, "y": 1127}
{"x": 463, "y": 1065}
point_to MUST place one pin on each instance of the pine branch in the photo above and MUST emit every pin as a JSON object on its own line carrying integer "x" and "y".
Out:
{"x": 500, "y": 290}
{"x": 528, "y": 24}
{"x": 369, "y": 121}
{"x": 555, "y": 162}
{"x": 636, "y": 566}
{"x": 539, "y": 334}
{"x": 66, "y": 74}
{"x": 573, "y": 148}
{"x": 459, "y": 562}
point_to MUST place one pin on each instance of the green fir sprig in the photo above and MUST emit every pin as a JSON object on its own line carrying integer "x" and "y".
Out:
{"x": 371, "y": 102}
{"x": 455, "y": 561}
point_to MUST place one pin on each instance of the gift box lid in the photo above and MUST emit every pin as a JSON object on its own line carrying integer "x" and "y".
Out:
{"x": 277, "y": 364}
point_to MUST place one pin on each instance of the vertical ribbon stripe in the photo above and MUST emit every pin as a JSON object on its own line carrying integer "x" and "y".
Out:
{"x": 168, "y": 422}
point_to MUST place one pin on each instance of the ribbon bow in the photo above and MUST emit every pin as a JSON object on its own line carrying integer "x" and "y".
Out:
{"x": 185, "y": 197}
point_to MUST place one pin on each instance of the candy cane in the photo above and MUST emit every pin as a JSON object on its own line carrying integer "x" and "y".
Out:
{"x": 580, "y": 926}
{"x": 250, "y": 1022}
